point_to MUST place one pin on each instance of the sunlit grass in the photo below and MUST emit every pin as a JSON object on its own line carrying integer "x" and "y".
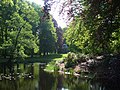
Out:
{"x": 46, "y": 59}
{"x": 51, "y": 65}
{"x": 50, "y": 60}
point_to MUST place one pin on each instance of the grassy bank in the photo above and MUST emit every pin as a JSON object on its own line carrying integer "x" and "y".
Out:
{"x": 51, "y": 65}
{"x": 37, "y": 58}
{"x": 45, "y": 59}
{"x": 50, "y": 60}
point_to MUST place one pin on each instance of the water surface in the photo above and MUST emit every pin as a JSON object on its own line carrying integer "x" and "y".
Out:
{"x": 33, "y": 77}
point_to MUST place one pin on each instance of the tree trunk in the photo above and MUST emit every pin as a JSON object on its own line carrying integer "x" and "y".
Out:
{"x": 5, "y": 52}
{"x": 43, "y": 53}
{"x": 32, "y": 52}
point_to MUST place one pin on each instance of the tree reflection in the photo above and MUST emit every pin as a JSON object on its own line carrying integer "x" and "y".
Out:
{"x": 46, "y": 80}
{"x": 31, "y": 79}
{"x": 8, "y": 73}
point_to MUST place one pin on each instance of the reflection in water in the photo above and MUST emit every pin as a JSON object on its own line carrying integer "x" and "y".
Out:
{"x": 33, "y": 77}
{"x": 46, "y": 80}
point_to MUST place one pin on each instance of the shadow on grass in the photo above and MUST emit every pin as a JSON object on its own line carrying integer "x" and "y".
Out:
{"x": 41, "y": 59}
{"x": 48, "y": 59}
{"x": 52, "y": 56}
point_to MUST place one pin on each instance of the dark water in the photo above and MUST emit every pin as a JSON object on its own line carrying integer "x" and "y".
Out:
{"x": 32, "y": 77}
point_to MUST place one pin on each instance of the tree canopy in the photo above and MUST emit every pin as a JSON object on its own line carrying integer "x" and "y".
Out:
{"x": 21, "y": 30}
{"x": 96, "y": 28}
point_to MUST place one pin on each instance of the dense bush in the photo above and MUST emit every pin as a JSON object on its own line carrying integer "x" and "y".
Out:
{"x": 73, "y": 59}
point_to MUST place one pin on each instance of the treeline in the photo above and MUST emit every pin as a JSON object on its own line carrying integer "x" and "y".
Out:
{"x": 96, "y": 29}
{"x": 22, "y": 31}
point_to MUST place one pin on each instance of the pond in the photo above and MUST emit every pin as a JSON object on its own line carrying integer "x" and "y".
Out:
{"x": 33, "y": 77}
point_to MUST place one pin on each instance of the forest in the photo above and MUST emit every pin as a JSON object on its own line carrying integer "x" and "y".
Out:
{"x": 89, "y": 44}
{"x": 23, "y": 32}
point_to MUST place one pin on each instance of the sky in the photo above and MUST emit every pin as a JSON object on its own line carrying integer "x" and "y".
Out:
{"x": 40, "y": 2}
{"x": 54, "y": 12}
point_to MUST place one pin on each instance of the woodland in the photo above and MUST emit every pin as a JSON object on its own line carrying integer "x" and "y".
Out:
{"x": 92, "y": 35}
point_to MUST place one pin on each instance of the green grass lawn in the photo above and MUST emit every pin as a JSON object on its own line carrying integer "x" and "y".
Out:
{"x": 41, "y": 59}
{"x": 51, "y": 65}
{"x": 49, "y": 59}
{"x": 45, "y": 59}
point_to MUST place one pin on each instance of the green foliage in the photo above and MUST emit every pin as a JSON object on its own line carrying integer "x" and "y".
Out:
{"x": 47, "y": 36}
{"x": 16, "y": 28}
{"x": 74, "y": 59}
{"x": 70, "y": 60}
{"x": 77, "y": 36}
{"x": 96, "y": 29}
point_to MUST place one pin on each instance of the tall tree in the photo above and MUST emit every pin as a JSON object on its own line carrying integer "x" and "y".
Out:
{"x": 17, "y": 26}
{"x": 47, "y": 37}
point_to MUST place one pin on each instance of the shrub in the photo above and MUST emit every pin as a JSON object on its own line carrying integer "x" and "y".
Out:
{"x": 73, "y": 59}
{"x": 70, "y": 60}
